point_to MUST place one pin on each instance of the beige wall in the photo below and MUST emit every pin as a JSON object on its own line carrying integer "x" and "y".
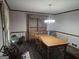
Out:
{"x": 17, "y": 21}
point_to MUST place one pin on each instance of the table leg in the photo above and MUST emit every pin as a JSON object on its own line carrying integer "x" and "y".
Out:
{"x": 48, "y": 53}
{"x": 65, "y": 51}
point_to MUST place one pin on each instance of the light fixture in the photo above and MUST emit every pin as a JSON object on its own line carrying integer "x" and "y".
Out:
{"x": 50, "y": 18}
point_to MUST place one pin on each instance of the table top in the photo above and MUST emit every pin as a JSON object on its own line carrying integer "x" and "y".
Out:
{"x": 49, "y": 40}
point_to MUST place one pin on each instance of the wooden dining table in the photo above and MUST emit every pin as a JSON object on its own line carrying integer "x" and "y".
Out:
{"x": 50, "y": 42}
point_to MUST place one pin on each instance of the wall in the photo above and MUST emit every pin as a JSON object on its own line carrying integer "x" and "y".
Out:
{"x": 17, "y": 21}
{"x": 68, "y": 23}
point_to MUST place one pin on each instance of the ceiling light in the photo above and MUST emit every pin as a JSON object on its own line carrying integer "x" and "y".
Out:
{"x": 50, "y": 18}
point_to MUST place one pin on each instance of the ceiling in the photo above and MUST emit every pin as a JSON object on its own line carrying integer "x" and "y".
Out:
{"x": 42, "y": 6}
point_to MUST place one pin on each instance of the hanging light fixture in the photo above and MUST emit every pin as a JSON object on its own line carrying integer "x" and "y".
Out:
{"x": 50, "y": 18}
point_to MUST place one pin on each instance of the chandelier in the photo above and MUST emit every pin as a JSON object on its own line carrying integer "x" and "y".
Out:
{"x": 50, "y": 18}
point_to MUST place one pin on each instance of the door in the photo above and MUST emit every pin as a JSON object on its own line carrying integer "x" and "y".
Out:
{"x": 35, "y": 23}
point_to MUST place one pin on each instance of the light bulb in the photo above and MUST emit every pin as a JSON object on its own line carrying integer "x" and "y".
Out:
{"x": 49, "y": 21}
